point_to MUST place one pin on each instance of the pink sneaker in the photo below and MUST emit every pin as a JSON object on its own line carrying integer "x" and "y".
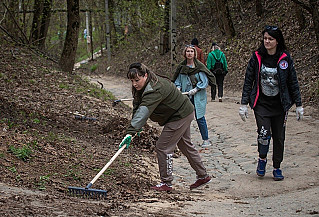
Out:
{"x": 162, "y": 187}
{"x": 200, "y": 182}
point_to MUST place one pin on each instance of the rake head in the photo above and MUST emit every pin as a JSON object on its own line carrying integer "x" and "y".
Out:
{"x": 87, "y": 192}
{"x": 115, "y": 102}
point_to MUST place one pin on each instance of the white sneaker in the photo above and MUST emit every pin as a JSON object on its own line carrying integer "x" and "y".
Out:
{"x": 206, "y": 143}
{"x": 220, "y": 99}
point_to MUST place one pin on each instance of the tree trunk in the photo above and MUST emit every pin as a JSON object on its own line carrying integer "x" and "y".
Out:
{"x": 107, "y": 31}
{"x": 72, "y": 33}
{"x": 174, "y": 60}
{"x": 40, "y": 23}
{"x": 91, "y": 33}
{"x": 313, "y": 9}
{"x": 165, "y": 34}
{"x": 259, "y": 8}
{"x": 218, "y": 12}
{"x": 315, "y": 18}
{"x": 45, "y": 22}
{"x": 13, "y": 13}
{"x": 300, "y": 16}
{"x": 225, "y": 17}
{"x": 35, "y": 29}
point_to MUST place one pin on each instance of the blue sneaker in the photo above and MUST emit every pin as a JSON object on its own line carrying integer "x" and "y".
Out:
{"x": 277, "y": 174}
{"x": 261, "y": 167}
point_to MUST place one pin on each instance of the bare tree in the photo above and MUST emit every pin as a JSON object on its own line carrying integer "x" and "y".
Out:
{"x": 259, "y": 8}
{"x": 67, "y": 59}
{"x": 45, "y": 22}
{"x": 164, "y": 46}
{"x": 313, "y": 8}
{"x": 300, "y": 16}
{"x": 40, "y": 23}
{"x": 12, "y": 18}
{"x": 225, "y": 18}
{"x": 107, "y": 30}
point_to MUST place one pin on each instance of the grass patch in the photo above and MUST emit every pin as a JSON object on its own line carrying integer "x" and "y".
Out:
{"x": 36, "y": 121}
{"x": 9, "y": 122}
{"x": 24, "y": 153}
{"x": 75, "y": 175}
{"x": 12, "y": 169}
{"x": 94, "y": 67}
{"x": 64, "y": 86}
{"x": 43, "y": 180}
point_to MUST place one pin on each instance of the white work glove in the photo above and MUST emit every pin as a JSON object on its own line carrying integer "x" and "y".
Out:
{"x": 192, "y": 91}
{"x": 243, "y": 112}
{"x": 299, "y": 113}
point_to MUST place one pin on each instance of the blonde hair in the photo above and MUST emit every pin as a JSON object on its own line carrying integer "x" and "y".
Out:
{"x": 215, "y": 47}
{"x": 192, "y": 47}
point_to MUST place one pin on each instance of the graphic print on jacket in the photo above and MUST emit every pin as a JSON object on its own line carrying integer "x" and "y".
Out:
{"x": 269, "y": 81}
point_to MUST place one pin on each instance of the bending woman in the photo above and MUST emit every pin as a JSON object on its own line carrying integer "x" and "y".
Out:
{"x": 158, "y": 99}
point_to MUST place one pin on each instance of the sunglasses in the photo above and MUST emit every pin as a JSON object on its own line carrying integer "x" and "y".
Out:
{"x": 271, "y": 28}
{"x": 190, "y": 45}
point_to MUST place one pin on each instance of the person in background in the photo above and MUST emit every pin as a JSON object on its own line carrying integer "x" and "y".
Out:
{"x": 200, "y": 54}
{"x": 271, "y": 88}
{"x": 190, "y": 76}
{"x": 157, "y": 98}
{"x": 216, "y": 62}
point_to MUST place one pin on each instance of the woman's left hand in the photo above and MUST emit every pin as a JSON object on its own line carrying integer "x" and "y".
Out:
{"x": 299, "y": 113}
{"x": 192, "y": 91}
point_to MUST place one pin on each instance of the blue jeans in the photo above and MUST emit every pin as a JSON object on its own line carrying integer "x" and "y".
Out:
{"x": 201, "y": 122}
{"x": 202, "y": 127}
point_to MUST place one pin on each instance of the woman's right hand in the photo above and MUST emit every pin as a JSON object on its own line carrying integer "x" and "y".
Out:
{"x": 126, "y": 141}
{"x": 243, "y": 112}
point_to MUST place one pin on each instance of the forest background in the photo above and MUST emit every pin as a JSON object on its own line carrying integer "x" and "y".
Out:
{"x": 58, "y": 129}
{"x": 139, "y": 30}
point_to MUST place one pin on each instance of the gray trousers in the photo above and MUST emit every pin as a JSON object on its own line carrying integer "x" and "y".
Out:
{"x": 177, "y": 133}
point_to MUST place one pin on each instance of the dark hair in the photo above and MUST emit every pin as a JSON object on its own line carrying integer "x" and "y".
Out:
{"x": 276, "y": 33}
{"x": 140, "y": 69}
{"x": 194, "y": 41}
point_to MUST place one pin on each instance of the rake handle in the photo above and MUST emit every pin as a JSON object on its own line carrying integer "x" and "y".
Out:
{"x": 106, "y": 166}
{"x": 130, "y": 99}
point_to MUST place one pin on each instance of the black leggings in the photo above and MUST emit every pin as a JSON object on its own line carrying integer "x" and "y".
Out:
{"x": 220, "y": 84}
{"x": 271, "y": 127}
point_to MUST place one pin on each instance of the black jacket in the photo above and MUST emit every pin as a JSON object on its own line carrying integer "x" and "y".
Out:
{"x": 287, "y": 78}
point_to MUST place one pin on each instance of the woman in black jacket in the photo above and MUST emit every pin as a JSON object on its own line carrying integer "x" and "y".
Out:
{"x": 271, "y": 88}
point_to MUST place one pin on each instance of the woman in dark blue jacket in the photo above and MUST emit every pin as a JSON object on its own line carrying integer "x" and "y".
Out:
{"x": 271, "y": 88}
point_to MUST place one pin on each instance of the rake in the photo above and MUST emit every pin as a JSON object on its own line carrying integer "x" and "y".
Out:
{"x": 91, "y": 192}
{"x": 115, "y": 102}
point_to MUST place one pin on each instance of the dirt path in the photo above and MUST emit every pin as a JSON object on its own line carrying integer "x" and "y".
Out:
{"x": 236, "y": 190}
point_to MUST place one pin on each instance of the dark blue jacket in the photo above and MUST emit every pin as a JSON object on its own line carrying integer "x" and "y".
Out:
{"x": 287, "y": 78}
